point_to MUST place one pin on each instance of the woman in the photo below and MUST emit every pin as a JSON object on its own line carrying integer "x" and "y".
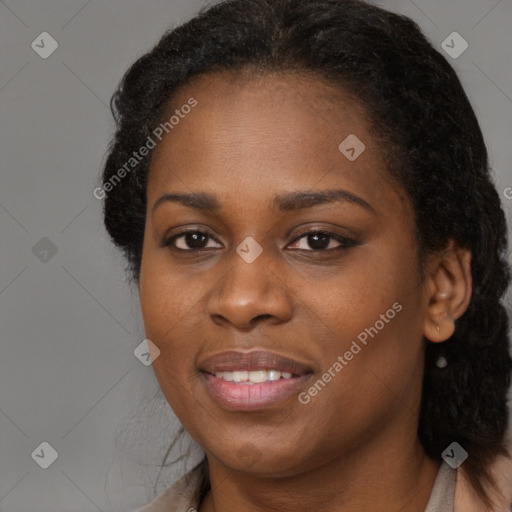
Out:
{"x": 303, "y": 195}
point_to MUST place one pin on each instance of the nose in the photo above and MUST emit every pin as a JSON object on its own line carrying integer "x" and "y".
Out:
{"x": 249, "y": 293}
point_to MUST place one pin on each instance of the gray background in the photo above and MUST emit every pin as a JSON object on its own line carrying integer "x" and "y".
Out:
{"x": 69, "y": 320}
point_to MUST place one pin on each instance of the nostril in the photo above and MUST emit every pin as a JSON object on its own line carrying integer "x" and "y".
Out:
{"x": 259, "y": 318}
{"x": 262, "y": 317}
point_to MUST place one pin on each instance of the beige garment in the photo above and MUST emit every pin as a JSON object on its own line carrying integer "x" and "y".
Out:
{"x": 466, "y": 499}
{"x": 183, "y": 495}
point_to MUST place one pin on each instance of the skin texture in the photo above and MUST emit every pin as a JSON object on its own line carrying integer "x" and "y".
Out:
{"x": 354, "y": 445}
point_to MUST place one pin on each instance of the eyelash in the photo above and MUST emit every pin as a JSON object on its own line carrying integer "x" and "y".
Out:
{"x": 345, "y": 243}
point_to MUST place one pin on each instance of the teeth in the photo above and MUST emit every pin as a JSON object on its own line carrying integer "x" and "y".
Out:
{"x": 253, "y": 377}
{"x": 274, "y": 375}
{"x": 258, "y": 376}
{"x": 240, "y": 376}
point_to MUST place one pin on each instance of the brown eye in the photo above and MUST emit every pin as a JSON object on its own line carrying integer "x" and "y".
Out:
{"x": 188, "y": 241}
{"x": 322, "y": 240}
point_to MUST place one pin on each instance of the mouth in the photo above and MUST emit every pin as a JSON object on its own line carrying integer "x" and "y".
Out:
{"x": 253, "y": 377}
{"x": 246, "y": 381}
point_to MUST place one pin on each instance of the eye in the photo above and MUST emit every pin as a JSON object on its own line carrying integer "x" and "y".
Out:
{"x": 322, "y": 240}
{"x": 190, "y": 240}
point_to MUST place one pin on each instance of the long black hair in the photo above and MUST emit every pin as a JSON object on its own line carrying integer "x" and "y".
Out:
{"x": 434, "y": 148}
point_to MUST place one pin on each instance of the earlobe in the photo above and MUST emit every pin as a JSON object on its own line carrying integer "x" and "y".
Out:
{"x": 450, "y": 287}
{"x": 438, "y": 331}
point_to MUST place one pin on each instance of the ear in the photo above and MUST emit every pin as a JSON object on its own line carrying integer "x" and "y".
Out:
{"x": 449, "y": 291}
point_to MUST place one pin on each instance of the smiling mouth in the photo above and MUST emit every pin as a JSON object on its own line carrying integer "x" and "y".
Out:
{"x": 248, "y": 381}
{"x": 254, "y": 376}
{"x": 250, "y": 396}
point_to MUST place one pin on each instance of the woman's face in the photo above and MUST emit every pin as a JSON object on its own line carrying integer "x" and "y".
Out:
{"x": 259, "y": 292}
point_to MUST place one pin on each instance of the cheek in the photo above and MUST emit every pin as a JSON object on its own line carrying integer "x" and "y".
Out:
{"x": 169, "y": 301}
{"x": 371, "y": 314}
{"x": 371, "y": 374}
{"x": 169, "y": 311}
{"x": 169, "y": 325}
{"x": 352, "y": 296}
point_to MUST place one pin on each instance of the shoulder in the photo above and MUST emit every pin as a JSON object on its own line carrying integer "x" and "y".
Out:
{"x": 182, "y": 495}
{"x": 466, "y": 499}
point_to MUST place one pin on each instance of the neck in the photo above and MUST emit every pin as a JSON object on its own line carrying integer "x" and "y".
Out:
{"x": 398, "y": 478}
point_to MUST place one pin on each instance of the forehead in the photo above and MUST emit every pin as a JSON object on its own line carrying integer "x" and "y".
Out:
{"x": 272, "y": 104}
{"x": 277, "y": 128}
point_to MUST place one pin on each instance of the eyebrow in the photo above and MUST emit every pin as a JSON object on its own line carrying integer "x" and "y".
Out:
{"x": 286, "y": 202}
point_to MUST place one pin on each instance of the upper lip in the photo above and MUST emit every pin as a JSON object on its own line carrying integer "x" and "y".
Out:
{"x": 254, "y": 360}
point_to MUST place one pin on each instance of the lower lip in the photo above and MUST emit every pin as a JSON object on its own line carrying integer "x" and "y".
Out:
{"x": 247, "y": 397}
